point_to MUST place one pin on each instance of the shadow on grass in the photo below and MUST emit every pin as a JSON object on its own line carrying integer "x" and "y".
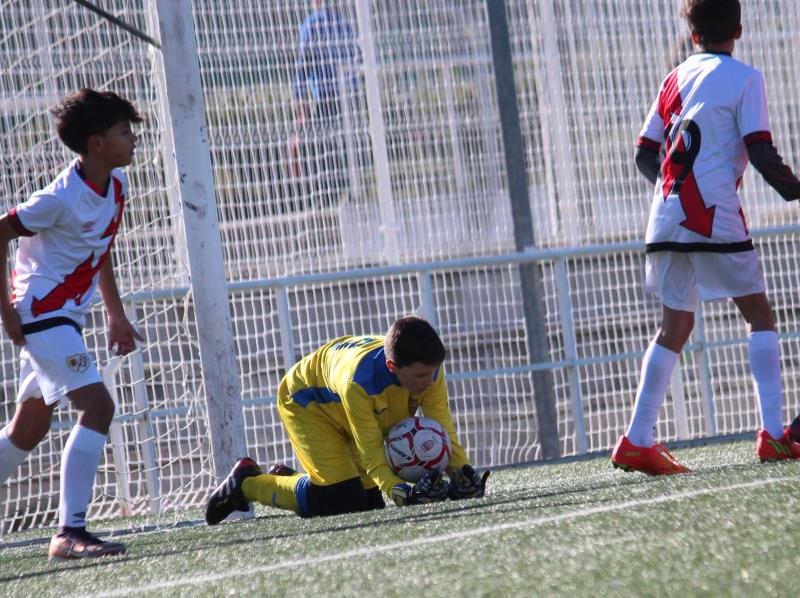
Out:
{"x": 209, "y": 538}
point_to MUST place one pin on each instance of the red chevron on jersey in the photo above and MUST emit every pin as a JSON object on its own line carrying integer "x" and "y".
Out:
{"x": 682, "y": 150}
{"x": 699, "y": 218}
{"x": 683, "y": 140}
{"x": 72, "y": 226}
{"x": 708, "y": 108}
{"x": 74, "y": 287}
{"x": 669, "y": 101}
{"x": 79, "y": 281}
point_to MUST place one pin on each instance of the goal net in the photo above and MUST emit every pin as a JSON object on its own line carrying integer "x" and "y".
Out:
{"x": 368, "y": 138}
{"x": 156, "y": 456}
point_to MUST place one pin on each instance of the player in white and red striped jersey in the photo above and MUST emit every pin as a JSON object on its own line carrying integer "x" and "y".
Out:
{"x": 66, "y": 232}
{"x": 711, "y": 118}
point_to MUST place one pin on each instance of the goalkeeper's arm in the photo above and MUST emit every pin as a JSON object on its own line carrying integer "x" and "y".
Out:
{"x": 467, "y": 483}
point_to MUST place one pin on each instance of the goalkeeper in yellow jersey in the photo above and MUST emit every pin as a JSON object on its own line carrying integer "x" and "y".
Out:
{"x": 337, "y": 405}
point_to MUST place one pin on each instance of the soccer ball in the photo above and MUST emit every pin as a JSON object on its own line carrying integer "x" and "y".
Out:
{"x": 415, "y": 446}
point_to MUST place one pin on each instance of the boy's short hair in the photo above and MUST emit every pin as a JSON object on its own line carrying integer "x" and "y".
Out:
{"x": 88, "y": 112}
{"x": 412, "y": 339}
{"x": 713, "y": 21}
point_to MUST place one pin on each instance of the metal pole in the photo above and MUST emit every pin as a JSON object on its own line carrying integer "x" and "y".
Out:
{"x": 144, "y": 424}
{"x": 179, "y": 256}
{"x": 199, "y": 209}
{"x": 703, "y": 363}
{"x": 679, "y": 403}
{"x": 285, "y": 327}
{"x": 454, "y": 125}
{"x": 532, "y": 289}
{"x": 428, "y": 296}
{"x": 377, "y": 128}
{"x": 571, "y": 351}
{"x": 117, "y": 438}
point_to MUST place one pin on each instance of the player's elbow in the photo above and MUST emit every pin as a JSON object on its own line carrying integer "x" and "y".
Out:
{"x": 7, "y": 232}
{"x": 648, "y": 162}
{"x": 767, "y": 161}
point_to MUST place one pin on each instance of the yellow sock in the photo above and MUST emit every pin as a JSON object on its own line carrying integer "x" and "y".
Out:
{"x": 273, "y": 490}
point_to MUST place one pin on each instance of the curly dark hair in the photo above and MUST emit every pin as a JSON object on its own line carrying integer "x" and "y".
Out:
{"x": 713, "y": 21}
{"x": 88, "y": 112}
{"x": 412, "y": 339}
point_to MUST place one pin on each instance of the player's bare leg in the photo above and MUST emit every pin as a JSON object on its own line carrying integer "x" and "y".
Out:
{"x": 756, "y": 311}
{"x": 676, "y": 326}
{"x": 79, "y": 464}
{"x": 95, "y": 405}
{"x": 31, "y": 423}
{"x": 23, "y": 433}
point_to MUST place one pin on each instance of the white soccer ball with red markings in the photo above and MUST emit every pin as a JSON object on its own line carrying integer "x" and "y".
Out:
{"x": 415, "y": 446}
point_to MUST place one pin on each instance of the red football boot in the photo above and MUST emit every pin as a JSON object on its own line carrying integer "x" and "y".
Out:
{"x": 769, "y": 449}
{"x": 654, "y": 460}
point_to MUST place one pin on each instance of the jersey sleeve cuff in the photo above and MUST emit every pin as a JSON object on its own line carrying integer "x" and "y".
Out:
{"x": 16, "y": 224}
{"x": 648, "y": 143}
{"x": 757, "y": 137}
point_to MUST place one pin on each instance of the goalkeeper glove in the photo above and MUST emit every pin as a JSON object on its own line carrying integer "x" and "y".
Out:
{"x": 466, "y": 483}
{"x": 430, "y": 488}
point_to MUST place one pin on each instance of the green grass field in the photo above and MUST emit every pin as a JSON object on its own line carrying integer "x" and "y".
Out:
{"x": 571, "y": 528}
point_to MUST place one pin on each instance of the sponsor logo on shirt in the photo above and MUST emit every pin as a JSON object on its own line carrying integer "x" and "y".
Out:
{"x": 79, "y": 362}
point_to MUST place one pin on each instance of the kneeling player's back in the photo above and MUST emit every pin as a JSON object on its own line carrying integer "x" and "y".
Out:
{"x": 333, "y": 365}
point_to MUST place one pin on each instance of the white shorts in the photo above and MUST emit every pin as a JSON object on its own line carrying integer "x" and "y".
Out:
{"x": 54, "y": 362}
{"x": 681, "y": 280}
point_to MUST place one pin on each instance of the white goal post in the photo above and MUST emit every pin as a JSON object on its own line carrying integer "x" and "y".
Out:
{"x": 361, "y": 178}
{"x": 190, "y": 148}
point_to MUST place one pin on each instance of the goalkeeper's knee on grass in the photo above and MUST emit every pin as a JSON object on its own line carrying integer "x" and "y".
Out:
{"x": 297, "y": 493}
{"x": 348, "y": 496}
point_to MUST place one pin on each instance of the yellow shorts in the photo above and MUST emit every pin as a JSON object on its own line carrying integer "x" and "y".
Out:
{"x": 326, "y": 451}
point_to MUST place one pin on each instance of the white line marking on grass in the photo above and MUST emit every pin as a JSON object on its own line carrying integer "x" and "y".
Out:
{"x": 372, "y": 550}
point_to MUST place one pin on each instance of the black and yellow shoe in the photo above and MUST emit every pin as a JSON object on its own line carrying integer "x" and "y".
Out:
{"x": 228, "y": 496}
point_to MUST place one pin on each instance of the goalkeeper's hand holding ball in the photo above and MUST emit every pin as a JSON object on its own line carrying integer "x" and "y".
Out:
{"x": 467, "y": 483}
{"x": 430, "y": 488}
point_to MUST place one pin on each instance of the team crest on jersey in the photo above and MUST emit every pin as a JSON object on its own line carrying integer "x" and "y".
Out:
{"x": 79, "y": 362}
{"x": 88, "y": 226}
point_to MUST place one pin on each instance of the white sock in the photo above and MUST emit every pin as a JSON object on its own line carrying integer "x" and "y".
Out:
{"x": 79, "y": 465}
{"x": 657, "y": 367}
{"x": 765, "y": 365}
{"x": 11, "y": 457}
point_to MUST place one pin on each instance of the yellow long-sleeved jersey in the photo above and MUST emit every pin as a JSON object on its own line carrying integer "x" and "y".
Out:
{"x": 351, "y": 384}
